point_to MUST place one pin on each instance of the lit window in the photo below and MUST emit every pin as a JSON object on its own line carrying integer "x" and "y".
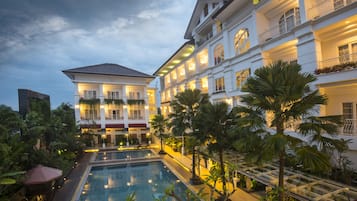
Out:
{"x": 289, "y": 20}
{"x": 90, "y": 94}
{"x": 337, "y": 4}
{"x": 220, "y": 84}
{"x": 191, "y": 65}
{"x": 347, "y": 110}
{"x": 203, "y": 58}
{"x": 241, "y": 41}
{"x": 174, "y": 75}
{"x": 113, "y": 94}
{"x": 343, "y": 54}
{"x": 218, "y": 54}
{"x": 241, "y": 77}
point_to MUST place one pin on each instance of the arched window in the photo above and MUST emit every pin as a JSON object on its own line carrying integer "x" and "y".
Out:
{"x": 218, "y": 54}
{"x": 241, "y": 41}
{"x": 289, "y": 20}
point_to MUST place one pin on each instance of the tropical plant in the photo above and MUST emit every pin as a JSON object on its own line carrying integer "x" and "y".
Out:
{"x": 283, "y": 92}
{"x": 159, "y": 124}
{"x": 214, "y": 122}
{"x": 185, "y": 108}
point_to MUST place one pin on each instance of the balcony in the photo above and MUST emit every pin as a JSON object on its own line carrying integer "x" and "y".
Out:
{"x": 325, "y": 7}
{"x": 342, "y": 63}
{"x": 89, "y": 101}
{"x": 276, "y": 31}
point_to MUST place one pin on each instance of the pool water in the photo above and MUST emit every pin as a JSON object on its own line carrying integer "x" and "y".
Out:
{"x": 120, "y": 155}
{"x": 147, "y": 179}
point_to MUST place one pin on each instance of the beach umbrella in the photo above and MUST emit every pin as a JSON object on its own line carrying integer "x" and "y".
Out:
{"x": 41, "y": 174}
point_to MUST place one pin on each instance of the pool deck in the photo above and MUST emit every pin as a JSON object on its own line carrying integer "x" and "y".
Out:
{"x": 179, "y": 164}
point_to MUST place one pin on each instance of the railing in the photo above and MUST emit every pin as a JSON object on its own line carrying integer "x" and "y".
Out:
{"x": 135, "y": 118}
{"x": 114, "y": 118}
{"x": 324, "y": 7}
{"x": 349, "y": 127}
{"x": 345, "y": 62}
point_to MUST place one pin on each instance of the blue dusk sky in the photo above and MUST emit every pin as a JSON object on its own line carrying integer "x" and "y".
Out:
{"x": 40, "y": 38}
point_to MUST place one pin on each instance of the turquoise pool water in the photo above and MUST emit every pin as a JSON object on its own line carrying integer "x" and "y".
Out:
{"x": 116, "y": 182}
{"x": 120, "y": 155}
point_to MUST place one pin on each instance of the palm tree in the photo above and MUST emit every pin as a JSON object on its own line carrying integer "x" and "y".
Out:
{"x": 214, "y": 122}
{"x": 159, "y": 124}
{"x": 282, "y": 90}
{"x": 185, "y": 108}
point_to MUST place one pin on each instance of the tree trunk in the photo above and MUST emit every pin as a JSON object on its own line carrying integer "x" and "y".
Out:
{"x": 223, "y": 177}
{"x": 280, "y": 131}
{"x": 161, "y": 144}
{"x": 281, "y": 175}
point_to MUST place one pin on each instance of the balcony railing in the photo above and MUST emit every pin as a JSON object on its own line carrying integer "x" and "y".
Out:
{"x": 342, "y": 63}
{"x": 325, "y": 7}
{"x": 135, "y": 117}
{"x": 349, "y": 127}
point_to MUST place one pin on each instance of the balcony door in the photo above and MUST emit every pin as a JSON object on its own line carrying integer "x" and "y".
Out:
{"x": 349, "y": 117}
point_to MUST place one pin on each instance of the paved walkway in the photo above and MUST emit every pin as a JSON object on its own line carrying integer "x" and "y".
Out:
{"x": 186, "y": 161}
{"x": 70, "y": 185}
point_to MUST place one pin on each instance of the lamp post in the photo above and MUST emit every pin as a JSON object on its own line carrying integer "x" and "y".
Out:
{"x": 183, "y": 145}
{"x": 127, "y": 139}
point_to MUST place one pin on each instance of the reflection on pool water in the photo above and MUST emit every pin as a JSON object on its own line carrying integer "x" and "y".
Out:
{"x": 147, "y": 179}
{"x": 120, "y": 155}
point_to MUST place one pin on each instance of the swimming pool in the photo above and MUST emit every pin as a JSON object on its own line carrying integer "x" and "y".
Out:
{"x": 121, "y": 155}
{"x": 116, "y": 182}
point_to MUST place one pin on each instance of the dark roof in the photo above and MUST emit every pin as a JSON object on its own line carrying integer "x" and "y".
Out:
{"x": 108, "y": 69}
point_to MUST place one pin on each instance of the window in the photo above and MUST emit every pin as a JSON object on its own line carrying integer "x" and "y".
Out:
{"x": 90, "y": 114}
{"x": 347, "y": 52}
{"x": 214, "y": 5}
{"x": 90, "y": 94}
{"x": 343, "y": 54}
{"x": 337, "y": 4}
{"x": 289, "y": 20}
{"x": 218, "y": 26}
{"x": 167, "y": 80}
{"x": 241, "y": 41}
{"x": 205, "y": 10}
{"x": 347, "y": 111}
{"x": 135, "y": 112}
{"x": 113, "y": 94}
{"x": 218, "y": 54}
{"x": 115, "y": 114}
{"x": 202, "y": 58}
{"x": 354, "y": 51}
{"x": 134, "y": 95}
{"x": 220, "y": 84}
{"x": 241, "y": 77}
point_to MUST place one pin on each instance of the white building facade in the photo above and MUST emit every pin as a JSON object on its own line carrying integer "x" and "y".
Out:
{"x": 113, "y": 103}
{"x": 229, "y": 40}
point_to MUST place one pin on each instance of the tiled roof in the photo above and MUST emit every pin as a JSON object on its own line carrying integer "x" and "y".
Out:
{"x": 108, "y": 69}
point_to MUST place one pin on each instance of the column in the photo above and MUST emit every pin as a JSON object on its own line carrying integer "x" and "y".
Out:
{"x": 101, "y": 107}
{"x": 77, "y": 113}
{"x": 146, "y": 108}
{"x": 125, "y": 108}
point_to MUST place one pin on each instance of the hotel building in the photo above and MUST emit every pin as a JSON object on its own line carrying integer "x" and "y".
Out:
{"x": 113, "y": 103}
{"x": 229, "y": 40}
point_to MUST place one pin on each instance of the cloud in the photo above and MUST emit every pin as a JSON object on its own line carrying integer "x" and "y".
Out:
{"x": 42, "y": 39}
